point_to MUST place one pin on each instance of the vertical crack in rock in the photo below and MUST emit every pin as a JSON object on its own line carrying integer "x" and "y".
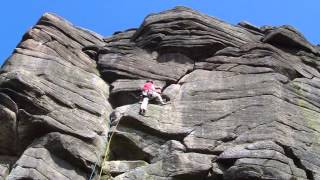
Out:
{"x": 297, "y": 162}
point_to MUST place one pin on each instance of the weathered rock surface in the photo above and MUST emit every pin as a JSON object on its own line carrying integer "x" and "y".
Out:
{"x": 49, "y": 85}
{"x": 5, "y": 163}
{"x": 244, "y": 101}
{"x": 119, "y": 167}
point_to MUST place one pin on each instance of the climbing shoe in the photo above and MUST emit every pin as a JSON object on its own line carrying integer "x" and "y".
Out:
{"x": 142, "y": 112}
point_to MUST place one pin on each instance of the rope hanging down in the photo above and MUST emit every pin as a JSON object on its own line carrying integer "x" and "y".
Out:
{"x": 106, "y": 153}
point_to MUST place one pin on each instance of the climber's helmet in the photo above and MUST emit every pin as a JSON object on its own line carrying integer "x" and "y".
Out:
{"x": 149, "y": 80}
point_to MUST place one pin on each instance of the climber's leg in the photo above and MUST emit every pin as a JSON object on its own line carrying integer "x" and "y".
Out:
{"x": 144, "y": 105}
{"x": 158, "y": 97}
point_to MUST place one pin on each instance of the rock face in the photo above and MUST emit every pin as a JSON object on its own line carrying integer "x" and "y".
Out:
{"x": 54, "y": 105}
{"x": 244, "y": 102}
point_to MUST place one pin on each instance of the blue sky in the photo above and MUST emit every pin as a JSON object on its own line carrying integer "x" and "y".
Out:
{"x": 108, "y": 16}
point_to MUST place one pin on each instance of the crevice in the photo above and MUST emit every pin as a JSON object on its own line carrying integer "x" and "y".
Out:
{"x": 187, "y": 73}
{"x": 290, "y": 126}
{"x": 124, "y": 98}
{"x": 201, "y": 151}
{"x": 225, "y": 164}
{"x": 92, "y": 51}
{"x": 297, "y": 162}
{"x": 24, "y": 102}
{"x": 109, "y": 74}
{"x": 123, "y": 148}
{"x": 312, "y": 64}
{"x": 200, "y": 52}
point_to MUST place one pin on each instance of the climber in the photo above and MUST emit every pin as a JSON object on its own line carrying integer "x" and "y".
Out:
{"x": 150, "y": 91}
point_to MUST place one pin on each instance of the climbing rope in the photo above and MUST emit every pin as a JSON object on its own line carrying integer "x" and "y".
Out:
{"x": 93, "y": 170}
{"x": 106, "y": 153}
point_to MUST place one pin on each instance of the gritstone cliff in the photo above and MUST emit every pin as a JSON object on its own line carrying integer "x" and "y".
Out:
{"x": 245, "y": 102}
